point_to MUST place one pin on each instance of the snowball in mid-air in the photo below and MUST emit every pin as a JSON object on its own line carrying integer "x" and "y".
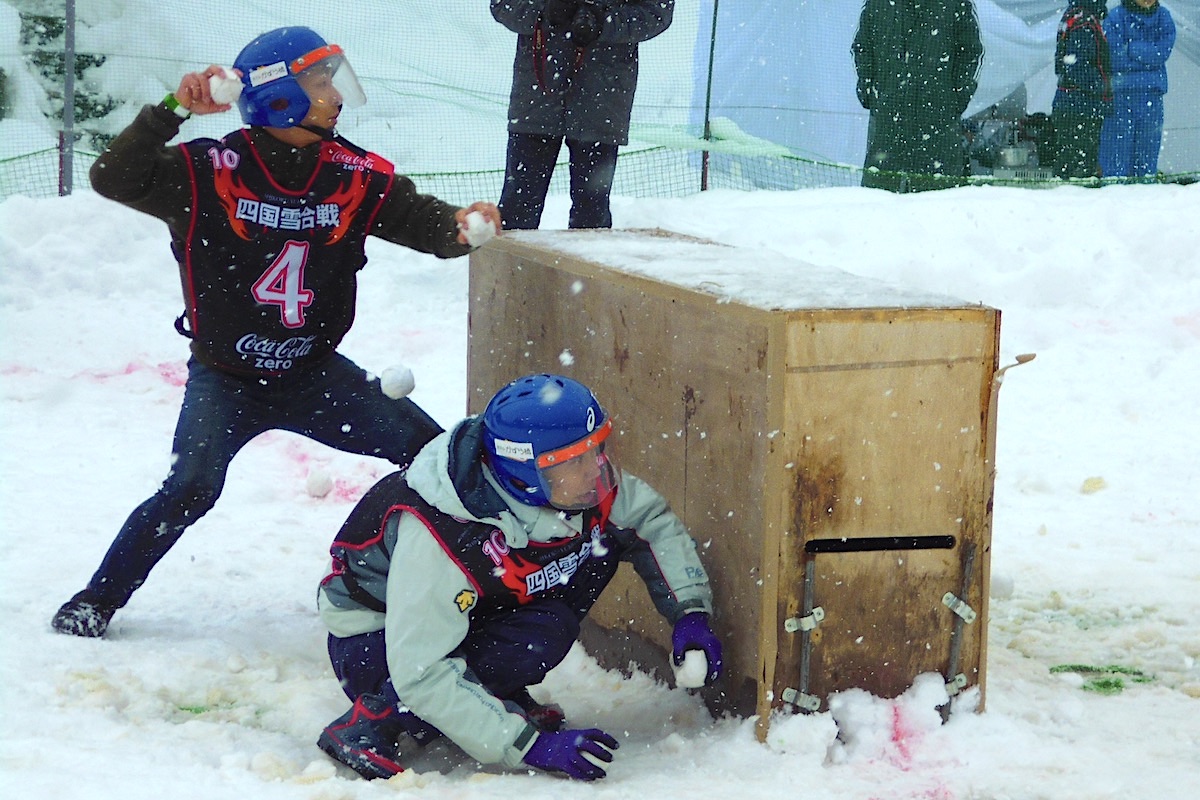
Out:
{"x": 397, "y": 382}
{"x": 692, "y": 672}
{"x": 226, "y": 88}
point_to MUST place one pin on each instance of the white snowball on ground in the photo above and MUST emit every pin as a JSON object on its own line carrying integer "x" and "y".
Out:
{"x": 692, "y": 672}
{"x": 397, "y": 382}
{"x": 319, "y": 483}
{"x": 226, "y": 88}
{"x": 477, "y": 229}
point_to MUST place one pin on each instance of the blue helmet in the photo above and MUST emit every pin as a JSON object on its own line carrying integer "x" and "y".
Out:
{"x": 271, "y": 94}
{"x": 540, "y": 422}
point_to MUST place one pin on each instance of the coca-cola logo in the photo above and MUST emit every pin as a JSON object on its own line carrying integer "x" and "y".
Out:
{"x": 353, "y": 161}
{"x": 295, "y": 347}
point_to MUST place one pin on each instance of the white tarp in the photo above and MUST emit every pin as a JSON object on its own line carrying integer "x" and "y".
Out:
{"x": 782, "y": 71}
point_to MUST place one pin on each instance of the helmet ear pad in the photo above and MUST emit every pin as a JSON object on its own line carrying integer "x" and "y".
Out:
{"x": 531, "y": 416}
{"x": 519, "y": 479}
{"x": 271, "y": 95}
{"x": 283, "y": 106}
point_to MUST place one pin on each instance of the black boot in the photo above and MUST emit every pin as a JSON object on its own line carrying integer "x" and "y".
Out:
{"x": 368, "y": 738}
{"x": 85, "y": 614}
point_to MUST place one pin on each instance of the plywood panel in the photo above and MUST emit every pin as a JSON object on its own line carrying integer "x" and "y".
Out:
{"x": 825, "y": 338}
{"x": 687, "y": 389}
{"x": 890, "y": 446}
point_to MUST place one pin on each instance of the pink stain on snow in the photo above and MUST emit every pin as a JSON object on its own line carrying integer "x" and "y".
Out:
{"x": 97, "y": 375}
{"x": 905, "y": 738}
{"x": 344, "y": 490}
{"x": 298, "y": 454}
{"x": 347, "y": 491}
{"x": 902, "y": 733}
{"x": 1189, "y": 322}
{"x": 1099, "y": 325}
{"x": 173, "y": 373}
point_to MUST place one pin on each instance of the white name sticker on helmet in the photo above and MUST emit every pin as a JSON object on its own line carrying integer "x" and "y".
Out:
{"x": 514, "y": 451}
{"x": 270, "y": 72}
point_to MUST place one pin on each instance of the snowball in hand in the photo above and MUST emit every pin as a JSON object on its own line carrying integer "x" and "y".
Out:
{"x": 692, "y": 672}
{"x": 226, "y": 88}
{"x": 477, "y": 229}
{"x": 397, "y": 382}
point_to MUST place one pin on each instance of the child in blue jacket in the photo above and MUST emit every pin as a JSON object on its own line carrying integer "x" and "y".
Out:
{"x": 1141, "y": 34}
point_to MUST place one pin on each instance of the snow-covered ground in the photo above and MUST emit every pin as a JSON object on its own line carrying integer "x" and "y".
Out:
{"x": 213, "y": 682}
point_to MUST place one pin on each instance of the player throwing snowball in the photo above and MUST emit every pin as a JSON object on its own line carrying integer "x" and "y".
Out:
{"x": 268, "y": 226}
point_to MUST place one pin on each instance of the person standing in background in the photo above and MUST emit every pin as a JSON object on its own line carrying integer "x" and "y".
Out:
{"x": 574, "y": 78}
{"x": 1084, "y": 95}
{"x": 1141, "y": 35}
{"x": 917, "y": 63}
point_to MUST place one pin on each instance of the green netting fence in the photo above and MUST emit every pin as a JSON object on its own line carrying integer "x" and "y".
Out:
{"x": 737, "y": 94}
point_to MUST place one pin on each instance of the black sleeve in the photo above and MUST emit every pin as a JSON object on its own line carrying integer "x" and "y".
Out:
{"x": 970, "y": 55}
{"x": 139, "y": 170}
{"x": 863, "y": 50}
{"x": 419, "y": 221}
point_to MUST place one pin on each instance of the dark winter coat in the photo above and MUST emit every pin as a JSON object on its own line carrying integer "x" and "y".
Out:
{"x": 1082, "y": 62}
{"x": 206, "y": 211}
{"x": 1140, "y": 40}
{"x": 586, "y": 94}
{"x": 917, "y": 62}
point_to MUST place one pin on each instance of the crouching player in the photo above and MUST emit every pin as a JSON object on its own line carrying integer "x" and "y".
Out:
{"x": 461, "y": 582}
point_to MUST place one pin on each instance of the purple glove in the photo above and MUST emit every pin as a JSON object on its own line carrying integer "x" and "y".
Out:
{"x": 566, "y": 751}
{"x": 692, "y": 633}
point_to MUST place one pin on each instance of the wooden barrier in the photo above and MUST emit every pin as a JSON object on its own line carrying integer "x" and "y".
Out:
{"x": 826, "y": 438}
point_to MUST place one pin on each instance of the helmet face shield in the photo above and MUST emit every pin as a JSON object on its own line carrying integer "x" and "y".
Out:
{"x": 326, "y": 77}
{"x": 288, "y": 72}
{"x": 580, "y": 475}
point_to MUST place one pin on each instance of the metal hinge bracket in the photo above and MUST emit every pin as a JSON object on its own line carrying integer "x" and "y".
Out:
{"x": 806, "y": 623}
{"x": 959, "y": 607}
{"x": 806, "y": 702}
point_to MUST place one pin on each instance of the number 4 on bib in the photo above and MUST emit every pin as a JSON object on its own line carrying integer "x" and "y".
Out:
{"x": 283, "y": 284}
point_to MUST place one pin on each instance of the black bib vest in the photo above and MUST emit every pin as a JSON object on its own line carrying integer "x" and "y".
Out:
{"x": 270, "y": 275}
{"x": 573, "y": 570}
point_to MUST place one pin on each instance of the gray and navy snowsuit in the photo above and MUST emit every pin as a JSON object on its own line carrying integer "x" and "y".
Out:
{"x": 435, "y": 557}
